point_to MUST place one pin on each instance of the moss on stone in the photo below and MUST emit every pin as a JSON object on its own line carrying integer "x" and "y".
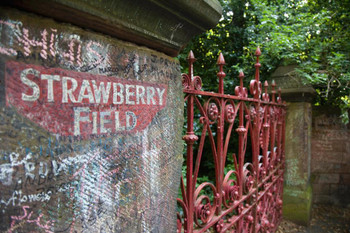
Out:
{"x": 297, "y": 205}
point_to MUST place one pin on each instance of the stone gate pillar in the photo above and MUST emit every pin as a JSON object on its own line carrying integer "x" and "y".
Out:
{"x": 91, "y": 112}
{"x": 297, "y": 193}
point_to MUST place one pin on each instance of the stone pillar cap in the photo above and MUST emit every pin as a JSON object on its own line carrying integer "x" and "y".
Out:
{"x": 294, "y": 88}
{"x": 163, "y": 25}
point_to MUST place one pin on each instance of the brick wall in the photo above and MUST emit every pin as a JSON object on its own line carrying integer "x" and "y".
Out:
{"x": 330, "y": 163}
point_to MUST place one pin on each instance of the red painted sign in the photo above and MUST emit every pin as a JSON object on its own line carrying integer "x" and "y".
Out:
{"x": 74, "y": 103}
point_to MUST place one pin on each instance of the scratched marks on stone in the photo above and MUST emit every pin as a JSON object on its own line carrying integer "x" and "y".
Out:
{"x": 103, "y": 182}
{"x": 100, "y": 173}
{"x": 90, "y": 188}
{"x": 54, "y": 47}
{"x": 29, "y": 218}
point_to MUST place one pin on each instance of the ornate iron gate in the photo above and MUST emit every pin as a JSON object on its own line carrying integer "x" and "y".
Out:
{"x": 247, "y": 198}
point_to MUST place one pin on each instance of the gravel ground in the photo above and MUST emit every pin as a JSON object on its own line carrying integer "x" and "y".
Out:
{"x": 325, "y": 219}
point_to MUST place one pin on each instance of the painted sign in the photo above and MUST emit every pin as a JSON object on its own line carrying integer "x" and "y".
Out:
{"x": 81, "y": 104}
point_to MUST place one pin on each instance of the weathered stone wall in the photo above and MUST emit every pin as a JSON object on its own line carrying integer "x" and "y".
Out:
{"x": 297, "y": 192}
{"x": 89, "y": 130}
{"x": 330, "y": 164}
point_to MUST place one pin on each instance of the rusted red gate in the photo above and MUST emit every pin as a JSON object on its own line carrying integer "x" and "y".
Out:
{"x": 247, "y": 198}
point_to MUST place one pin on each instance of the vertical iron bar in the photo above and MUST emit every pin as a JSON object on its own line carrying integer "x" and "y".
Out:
{"x": 190, "y": 139}
{"x": 221, "y": 75}
{"x": 220, "y": 134}
{"x": 241, "y": 130}
{"x": 256, "y": 137}
{"x": 257, "y": 75}
{"x": 273, "y": 130}
{"x": 266, "y": 127}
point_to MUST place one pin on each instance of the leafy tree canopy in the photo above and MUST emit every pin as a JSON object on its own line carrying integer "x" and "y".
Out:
{"x": 314, "y": 34}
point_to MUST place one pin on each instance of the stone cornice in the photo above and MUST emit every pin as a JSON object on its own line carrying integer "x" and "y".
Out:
{"x": 293, "y": 87}
{"x": 166, "y": 26}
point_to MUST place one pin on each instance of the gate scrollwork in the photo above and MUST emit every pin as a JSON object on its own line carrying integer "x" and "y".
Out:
{"x": 246, "y": 195}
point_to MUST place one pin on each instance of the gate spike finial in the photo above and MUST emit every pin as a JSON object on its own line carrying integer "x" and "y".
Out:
{"x": 221, "y": 74}
{"x": 266, "y": 85}
{"x": 273, "y": 91}
{"x": 265, "y": 95}
{"x": 240, "y": 90}
{"x": 257, "y": 64}
{"x": 221, "y": 60}
{"x": 257, "y": 52}
{"x": 191, "y": 59}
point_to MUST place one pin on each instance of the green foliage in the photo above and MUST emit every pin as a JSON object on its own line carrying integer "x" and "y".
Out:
{"x": 314, "y": 34}
{"x": 227, "y": 37}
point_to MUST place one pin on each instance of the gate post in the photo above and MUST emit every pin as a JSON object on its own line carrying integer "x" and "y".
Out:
{"x": 91, "y": 112}
{"x": 297, "y": 194}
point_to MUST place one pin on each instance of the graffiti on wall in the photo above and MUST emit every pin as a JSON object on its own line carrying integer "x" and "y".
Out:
{"x": 55, "y": 48}
{"x": 85, "y": 133}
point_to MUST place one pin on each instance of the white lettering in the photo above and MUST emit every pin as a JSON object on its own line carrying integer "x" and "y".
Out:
{"x": 94, "y": 122}
{"x": 130, "y": 116}
{"x": 78, "y": 118}
{"x": 50, "y": 79}
{"x": 43, "y": 171}
{"x": 140, "y": 94}
{"x": 6, "y": 173}
{"x": 150, "y": 95}
{"x": 101, "y": 88}
{"x": 29, "y": 166}
{"x": 129, "y": 94}
{"x": 160, "y": 94}
{"x": 86, "y": 87}
{"x": 58, "y": 168}
{"x": 14, "y": 158}
{"x": 117, "y": 93}
{"x": 117, "y": 123}
{"x": 103, "y": 121}
{"x": 31, "y": 84}
{"x": 68, "y": 92}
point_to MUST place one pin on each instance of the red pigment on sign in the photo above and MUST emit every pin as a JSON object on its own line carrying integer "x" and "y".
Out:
{"x": 74, "y": 103}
